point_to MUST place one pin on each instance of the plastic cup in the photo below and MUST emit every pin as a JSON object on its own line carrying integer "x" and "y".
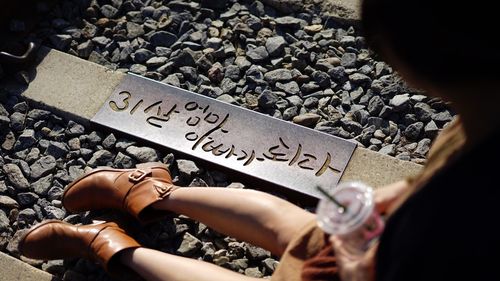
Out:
{"x": 358, "y": 224}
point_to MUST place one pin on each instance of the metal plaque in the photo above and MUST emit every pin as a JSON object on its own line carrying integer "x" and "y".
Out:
{"x": 260, "y": 146}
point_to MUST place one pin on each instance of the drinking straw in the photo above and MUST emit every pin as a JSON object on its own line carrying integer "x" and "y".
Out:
{"x": 331, "y": 198}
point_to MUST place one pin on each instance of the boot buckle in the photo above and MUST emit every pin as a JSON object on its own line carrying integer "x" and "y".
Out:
{"x": 138, "y": 175}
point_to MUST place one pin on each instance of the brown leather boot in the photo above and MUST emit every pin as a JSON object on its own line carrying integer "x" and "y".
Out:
{"x": 99, "y": 242}
{"x": 128, "y": 190}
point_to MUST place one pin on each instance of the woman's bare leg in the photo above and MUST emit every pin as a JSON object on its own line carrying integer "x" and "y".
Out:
{"x": 256, "y": 217}
{"x": 154, "y": 265}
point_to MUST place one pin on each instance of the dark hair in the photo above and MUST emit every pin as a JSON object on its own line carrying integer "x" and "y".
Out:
{"x": 445, "y": 42}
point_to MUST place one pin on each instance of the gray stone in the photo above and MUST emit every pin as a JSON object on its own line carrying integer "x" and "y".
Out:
{"x": 27, "y": 215}
{"x": 42, "y": 167}
{"x": 388, "y": 149}
{"x": 278, "y": 75}
{"x": 16, "y": 177}
{"x": 55, "y": 193}
{"x": 57, "y": 149}
{"x": 74, "y": 129}
{"x": 400, "y": 102}
{"x": 85, "y": 49}
{"x": 108, "y": 11}
{"x": 256, "y": 253}
{"x": 4, "y": 121}
{"x": 269, "y": 265}
{"x": 13, "y": 245}
{"x": 348, "y": 60}
{"x": 423, "y": 147}
{"x": 4, "y": 221}
{"x": 423, "y": 111}
{"x": 232, "y": 72}
{"x": 227, "y": 99}
{"x": 101, "y": 40}
{"x": 275, "y": 46}
{"x": 442, "y": 117}
{"x": 242, "y": 63}
{"x": 33, "y": 155}
{"x": 267, "y": 99}
{"x": 228, "y": 86}
{"x": 134, "y": 30}
{"x": 123, "y": 161}
{"x": 74, "y": 172}
{"x": 7, "y": 202}
{"x": 253, "y": 272}
{"x": 321, "y": 78}
{"x": 138, "y": 69}
{"x": 375, "y": 105}
{"x": 173, "y": 80}
{"x": 290, "y": 22}
{"x": 351, "y": 126}
{"x": 156, "y": 61}
{"x": 142, "y": 154}
{"x": 27, "y": 198}
{"x": 258, "y": 54}
{"x": 122, "y": 144}
{"x": 109, "y": 141}
{"x": 142, "y": 55}
{"x": 101, "y": 158}
{"x": 307, "y": 119}
{"x": 163, "y": 39}
{"x": 431, "y": 129}
{"x": 54, "y": 213}
{"x": 413, "y": 131}
{"x": 187, "y": 168}
{"x": 189, "y": 245}
{"x": 9, "y": 141}
{"x": 291, "y": 88}
{"x": 42, "y": 186}
{"x": 17, "y": 121}
{"x": 214, "y": 43}
{"x": 360, "y": 79}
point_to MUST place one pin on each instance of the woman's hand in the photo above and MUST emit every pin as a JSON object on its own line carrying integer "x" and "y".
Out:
{"x": 386, "y": 196}
{"x": 354, "y": 268}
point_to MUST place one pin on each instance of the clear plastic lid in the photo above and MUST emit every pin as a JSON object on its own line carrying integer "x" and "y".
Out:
{"x": 357, "y": 197}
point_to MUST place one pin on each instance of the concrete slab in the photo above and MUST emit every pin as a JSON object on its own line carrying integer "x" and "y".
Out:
{"x": 12, "y": 269}
{"x": 70, "y": 86}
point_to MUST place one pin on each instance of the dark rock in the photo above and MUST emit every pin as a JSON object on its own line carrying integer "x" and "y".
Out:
{"x": 360, "y": 79}
{"x": 108, "y": 11}
{"x": 400, "y": 102}
{"x": 42, "y": 186}
{"x": 55, "y": 193}
{"x": 162, "y": 38}
{"x": 85, "y": 49}
{"x": 52, "y": 212}
{"x": 375, "y": 105}
{"x": 423, "y": 111}
{"x": 109, "y": 141}
{"x": 74, "y": 129}
{"x": 141, "y": 55}
{"x": 267, "y": 99}
{"x": 348, "y": 60}
{"x": 307, "y": 119}
{"x": 278, "y": 75}
{"x": 101, "y": 158}
{"x": 27, "y": 215}
{"x": 290, "y": 22}
{"x": 7, "y": 202}
{"x": 142, "y": 154}
{"x": 57, "y": 149}
{"x": 322, "y": 79}
{"x": 442, "y": 117}
{"x": 16, "y": 177}
{"x": 431, "y": 129}
{"x": 413, "y": 131}
{"x": 26, "y": 198}
{"x": 25, "y": 140}
{"x": 388, "y": 149}
{"x": 17, "y": 120}
{"x": 275, "y": 46}
{"x": 187, "y": 168}
{"x": 258, "y": 54}
{"x": 134, "y": 30}
{"x": 291, "y": 88}
{"x": 4, "y": 222}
